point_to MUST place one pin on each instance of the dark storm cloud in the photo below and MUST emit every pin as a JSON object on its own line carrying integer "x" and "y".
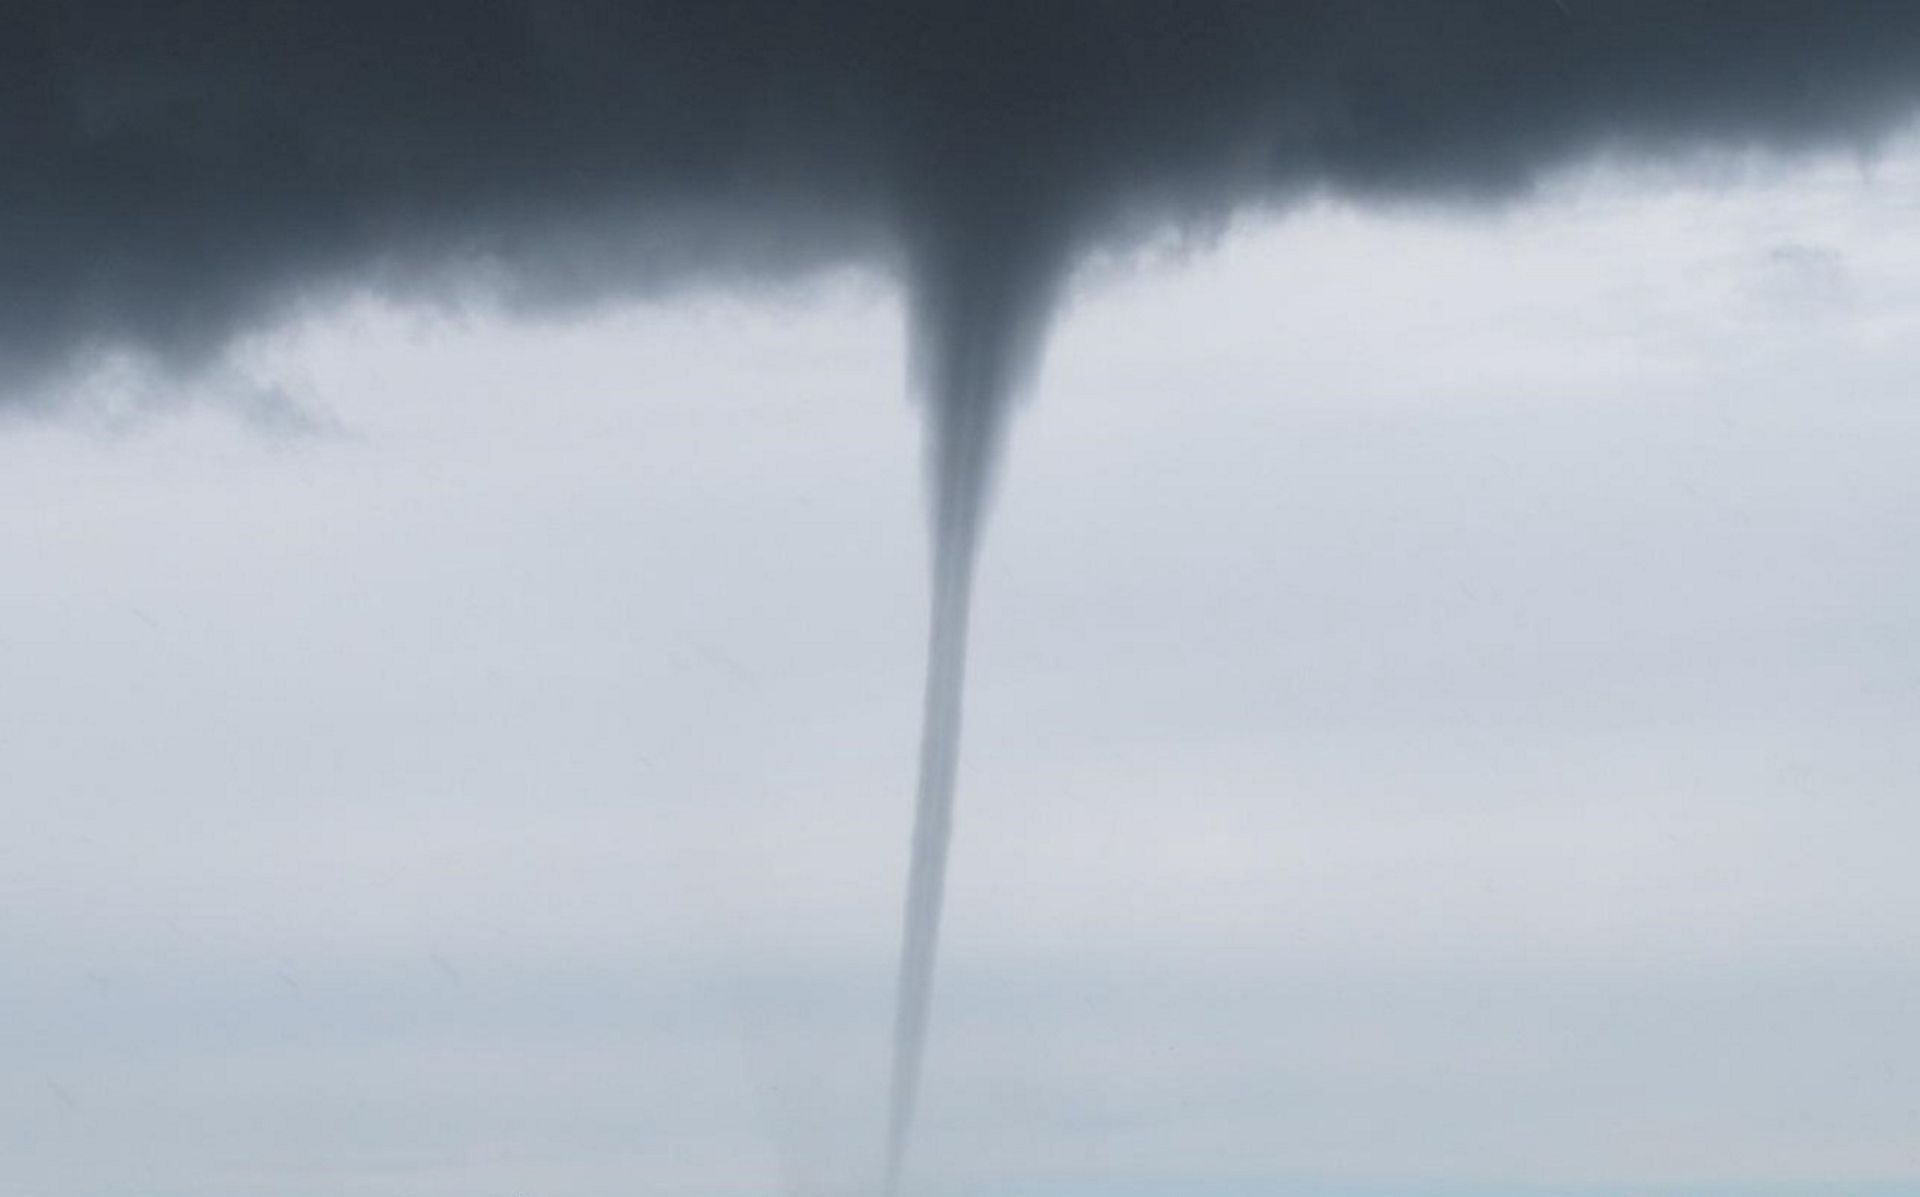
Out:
{"x": 171, "y": 172}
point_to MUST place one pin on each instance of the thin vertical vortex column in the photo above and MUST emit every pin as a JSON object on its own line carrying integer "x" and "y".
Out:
{"x": 981, "y": 285}
{"x": 962, "y": 444}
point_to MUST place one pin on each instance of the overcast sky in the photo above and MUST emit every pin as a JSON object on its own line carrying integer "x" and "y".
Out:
{"x": 1440, "y": 715}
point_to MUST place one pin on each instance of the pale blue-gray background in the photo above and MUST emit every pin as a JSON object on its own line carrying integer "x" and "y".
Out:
{"x": 1442, "y": 716}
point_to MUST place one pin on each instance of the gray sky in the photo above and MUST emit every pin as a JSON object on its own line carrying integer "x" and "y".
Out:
{"x": 1440, "y": 713}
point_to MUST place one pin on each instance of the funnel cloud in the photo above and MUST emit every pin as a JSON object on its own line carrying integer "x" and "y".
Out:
{"x": 180, "y": 174}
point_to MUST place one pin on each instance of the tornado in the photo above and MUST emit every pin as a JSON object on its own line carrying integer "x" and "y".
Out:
{"x": 982, "y": 284}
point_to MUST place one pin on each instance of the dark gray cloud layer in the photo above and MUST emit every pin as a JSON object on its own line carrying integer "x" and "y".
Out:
{"x": 173, "y": 171}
